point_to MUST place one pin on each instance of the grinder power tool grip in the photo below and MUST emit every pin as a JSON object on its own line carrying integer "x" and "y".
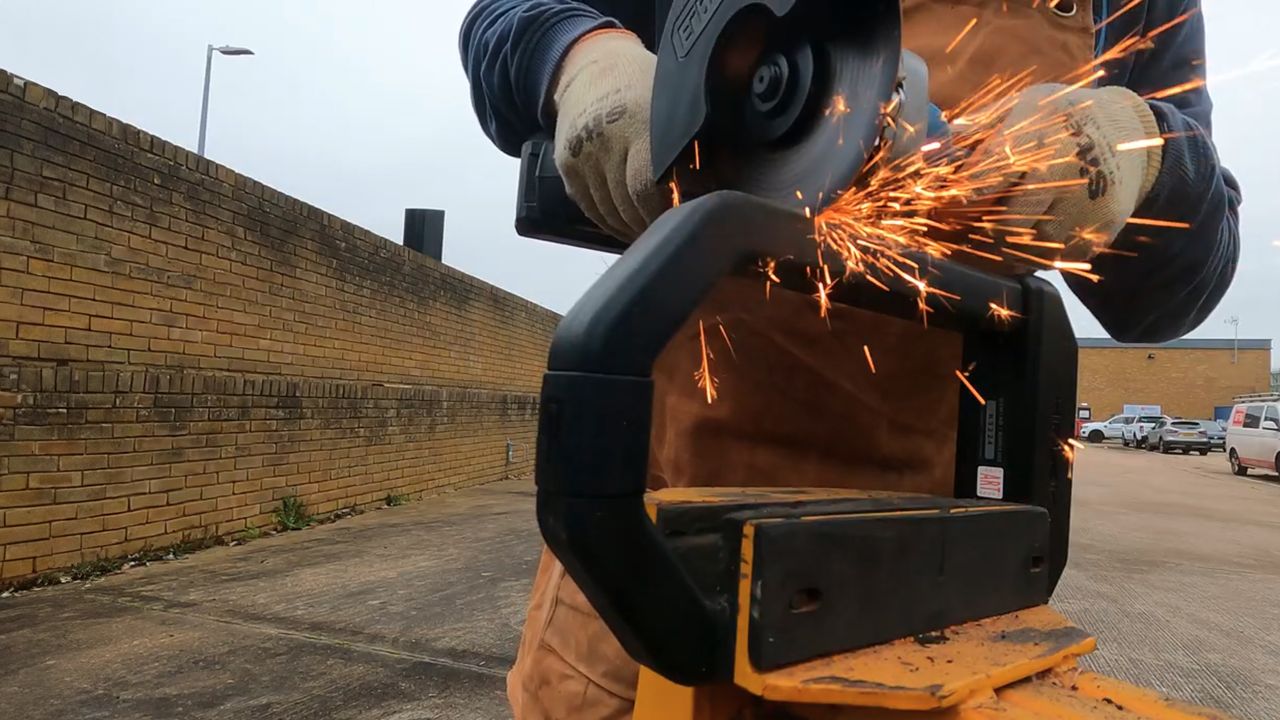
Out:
{"x": 751, "y": 81}
{"x": 786, "y": 100}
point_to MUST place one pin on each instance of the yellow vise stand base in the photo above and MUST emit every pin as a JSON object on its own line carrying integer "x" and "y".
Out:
{"x": 1020, "y": 666}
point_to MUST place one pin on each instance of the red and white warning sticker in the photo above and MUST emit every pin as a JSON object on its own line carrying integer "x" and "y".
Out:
{"x": 991, "y": 482}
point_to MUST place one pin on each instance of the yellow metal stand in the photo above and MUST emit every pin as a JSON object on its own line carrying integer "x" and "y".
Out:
{"x": 1018, "y": 666}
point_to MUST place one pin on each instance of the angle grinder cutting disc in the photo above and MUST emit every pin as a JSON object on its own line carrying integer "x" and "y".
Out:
{"x": 793, "y": 97}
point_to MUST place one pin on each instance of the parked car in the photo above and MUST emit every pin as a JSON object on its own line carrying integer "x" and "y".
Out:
{"x": 1135, "y": 433}
{"x": 1253, "y": 436}
{"x": 1111, "y": 429}
{"x": 1217, "y": 434}
{"x": 1184, "y": 435}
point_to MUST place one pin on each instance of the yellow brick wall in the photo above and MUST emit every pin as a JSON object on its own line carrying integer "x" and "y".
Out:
{"x": 1184, "y": 382}
{"x": 181, "y": 346}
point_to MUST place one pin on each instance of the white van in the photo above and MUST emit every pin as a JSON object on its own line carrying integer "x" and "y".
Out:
{"x": 1253, "y": 434}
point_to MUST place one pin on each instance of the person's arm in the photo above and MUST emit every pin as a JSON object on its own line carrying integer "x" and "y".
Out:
{"x": 510, "y": 52}
{"x": 1163, "y": 282}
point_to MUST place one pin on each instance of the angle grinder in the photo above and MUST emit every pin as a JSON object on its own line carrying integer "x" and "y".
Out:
{"x": 786, "y": 100}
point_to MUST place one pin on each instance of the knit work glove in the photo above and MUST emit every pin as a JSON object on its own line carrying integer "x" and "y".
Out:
{"x": 1080, "y": 135}
{"x": 602, "y": 98}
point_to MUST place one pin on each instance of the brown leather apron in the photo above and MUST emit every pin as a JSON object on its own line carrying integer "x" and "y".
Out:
{"x": 798, "y": 404}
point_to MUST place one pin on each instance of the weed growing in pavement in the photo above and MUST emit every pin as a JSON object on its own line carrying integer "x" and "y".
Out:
{"x": 292, "y": 513}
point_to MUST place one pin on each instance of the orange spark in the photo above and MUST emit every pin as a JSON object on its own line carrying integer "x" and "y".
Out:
{"x": 1139, "y": 144}
{"x": 1175, "y": 90}
{"x": 838, "y": 107}
{"x": 870, "y": 363}
{"x": 725, "y": 334}
{"x": 1001, "y": 313}
{"x": 1053, "y": 184}
{"x": 697, "y": 156}
{"x": 1074, "y": 86}
{"x": 1107, "y": 21}
{"x": 675, "y": 193}
{"x": 885, "y": 288}
{"x": 965, "y": 31}
{"x": 824, "y": 303}
{"x": 705, "y": 380}
{"x": 768, "y": 266}
{"x": 1158, "y": 223}
{"x": 981, "y": 400}
{"x": 1071, "y": 265}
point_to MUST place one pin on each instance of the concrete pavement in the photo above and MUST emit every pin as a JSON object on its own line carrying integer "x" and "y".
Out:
{"x": 406, "y": 613}
{"x": 1175, "y": 566}
{"x": 413, "y": 612}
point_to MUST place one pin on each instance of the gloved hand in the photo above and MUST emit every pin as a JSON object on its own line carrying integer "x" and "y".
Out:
{"x": 1079, "y": 132}
{"x": 602, "y": 97}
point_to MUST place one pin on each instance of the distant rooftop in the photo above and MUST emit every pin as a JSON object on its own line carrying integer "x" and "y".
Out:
{"x": 1184, "y": 344}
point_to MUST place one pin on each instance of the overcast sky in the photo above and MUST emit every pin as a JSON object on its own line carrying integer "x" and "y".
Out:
{"x": 361, "y": 108}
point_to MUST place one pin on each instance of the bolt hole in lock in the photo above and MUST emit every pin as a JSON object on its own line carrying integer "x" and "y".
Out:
{"x": 1037, "y": 563}
{"x": 806, "y": 600}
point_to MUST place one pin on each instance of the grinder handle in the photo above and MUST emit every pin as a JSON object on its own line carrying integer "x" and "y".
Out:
{"x": 544, "y": 210}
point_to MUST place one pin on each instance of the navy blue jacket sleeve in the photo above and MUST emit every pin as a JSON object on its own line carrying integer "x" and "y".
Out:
{"x": 510, "y": 52}
{"x": 1163, "y": 282}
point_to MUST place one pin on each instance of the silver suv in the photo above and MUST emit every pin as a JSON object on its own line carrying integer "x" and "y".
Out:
{"x": 1135, "y": 434}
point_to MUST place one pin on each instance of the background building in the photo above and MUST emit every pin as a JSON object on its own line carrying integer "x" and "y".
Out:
{"x": 1187, "y": 378}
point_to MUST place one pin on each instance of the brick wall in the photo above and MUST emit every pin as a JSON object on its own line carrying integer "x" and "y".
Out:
{"x": 181, "y": 346}
{"x": 1184, "y": 382}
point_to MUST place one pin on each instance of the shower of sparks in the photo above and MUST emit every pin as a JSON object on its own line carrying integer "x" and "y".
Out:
{"x": 963, "y": 199}
{"x": 960, "y": 37}
{"x": 960, "y": 196}
{"x": 981, "y": 400}
{"x": 706, "y": 381}
{"x": 870, "y": 363}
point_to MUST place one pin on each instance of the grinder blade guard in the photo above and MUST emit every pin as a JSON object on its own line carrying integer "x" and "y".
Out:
{"x": 785, "y": 98}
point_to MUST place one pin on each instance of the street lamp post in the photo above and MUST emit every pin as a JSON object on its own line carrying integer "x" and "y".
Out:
{"x": 208, "y": 68}
{"x": 1234, "y": 321}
